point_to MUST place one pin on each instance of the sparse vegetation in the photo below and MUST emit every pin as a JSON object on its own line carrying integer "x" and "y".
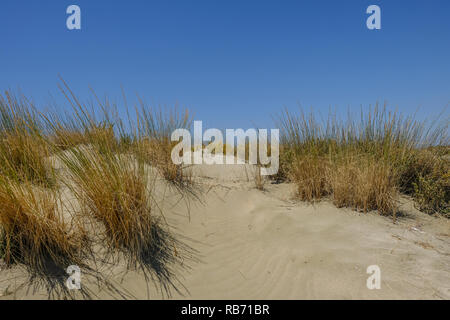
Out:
{"x": 259, "y": 179}
{"x": 154, "y": 145}
{"x": 115, "y": 191}
{"x": 35, "y": 232}
{"x": 432, "y": 191}
{"x": 365, "y": 164}
{"x": 106, "y": 168}
{"x": 364, "y": 184}
{"x": 23, "y": 150}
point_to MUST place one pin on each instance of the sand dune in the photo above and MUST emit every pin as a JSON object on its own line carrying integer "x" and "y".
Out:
{"x": 255, "y": 244}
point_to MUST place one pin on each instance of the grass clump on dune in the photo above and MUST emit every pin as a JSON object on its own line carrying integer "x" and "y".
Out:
{"x": 154, "y": 145}
{"x": 364, "y": 184}
{"x": 111, "y": 175}
{"x": 432, "y": 190}
{"x": 310, "y": 175}
{"x": 23, "y": 151}
{"x": 102, "y": 165}
{"x": 82, "y": 125}
{"x": 147, "y": 136}
{"x": 115, "y": 191}
{"x": 157, "y": 153}
{"x": 65, "y": 138}
{"x": 364, "y": 164}
{"x": 34, "y": 230}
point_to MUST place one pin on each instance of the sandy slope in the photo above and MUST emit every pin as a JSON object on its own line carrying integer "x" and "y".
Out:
{"x": 263, "y": 245}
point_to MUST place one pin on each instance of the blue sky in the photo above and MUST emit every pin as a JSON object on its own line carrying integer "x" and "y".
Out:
{"x": 233, "y": 63}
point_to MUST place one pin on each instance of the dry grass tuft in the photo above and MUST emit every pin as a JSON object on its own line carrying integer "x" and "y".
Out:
{"x": 259, "y": 180}
{"x": 432, "y": 190}
{"x": 309, "y": 173}
{"x": 157, "y": 153}
{"x": 365, "y": 185}
{"x": 97, "y": 134}
{"x": 23, "y": 150}
{"x": 102, "y": 167}
{"x": 115, "y": 190}
{"x": 154, "y": 145}
{"x": 34, "y": 231}
{"x": 365, "y": 164}
{"x": 24, "y": 157}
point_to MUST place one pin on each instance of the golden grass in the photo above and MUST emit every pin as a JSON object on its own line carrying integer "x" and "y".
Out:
{"x": 432, "y": 190}
{"x": 23, "y": 151}
{"x": 114, "y": 190}
{"x": 365, "y": 164}
{"x": 157, "y": 153}
{"x": 310, "y": 176}
{"x": 153, "y": 143}
{"x": 65, "y": 138}
{"x": 363, "y": 184}
{"x": 34, "y": 231}
{"x": 258, "y": 179}
{"x": 24, "y": 157}
{"x": 102, "y": 169}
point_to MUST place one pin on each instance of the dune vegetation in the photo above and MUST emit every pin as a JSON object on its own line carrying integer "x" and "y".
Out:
{"x": 367, "y": 163}
{"x": 108, "y": 170}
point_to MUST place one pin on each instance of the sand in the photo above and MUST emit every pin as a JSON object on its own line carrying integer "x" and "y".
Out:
{"x": 254, "y": 244}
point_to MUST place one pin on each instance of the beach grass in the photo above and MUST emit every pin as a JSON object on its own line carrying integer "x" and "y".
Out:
{"x": 366, "y": 163}
{"x": 34, "y": 231}
{"x": 23, "y": 150}
{"x": 102, "y": 166}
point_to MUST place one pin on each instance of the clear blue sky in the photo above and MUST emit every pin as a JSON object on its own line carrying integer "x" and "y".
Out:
{"x": 233, "y": 62}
